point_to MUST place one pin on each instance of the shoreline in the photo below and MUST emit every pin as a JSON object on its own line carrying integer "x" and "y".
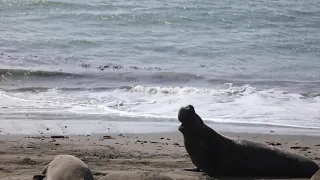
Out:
{"x": 105, "y": 153}
{"x": 94, "y": 127}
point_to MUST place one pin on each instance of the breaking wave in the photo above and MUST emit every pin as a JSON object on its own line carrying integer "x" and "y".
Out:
{"x": 152, "y": 81}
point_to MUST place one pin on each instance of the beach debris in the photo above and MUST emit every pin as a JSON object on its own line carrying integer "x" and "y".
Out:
{"x": 162, "y": 138}
{"x": 177, "y": 144}
{"x": 107, "y": 137}
{"x": 27, "y": 161}
{"x": 168, "y": 139}
{"x": 59, "y": 137}
{"x": 272, "y": 131}
{"x": 141, "y": 141}
{"x": 57, "y": 144}
{"x": 47, "y": 129}
{"x": 317, "y": 145}
{"x": 273, "y": 143}
{"x": 317, "y": 158}
{"x": 303, "y": 148}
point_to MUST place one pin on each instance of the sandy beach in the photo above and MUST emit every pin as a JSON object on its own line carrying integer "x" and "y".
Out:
{"x": 23, "y": 156}
{"x": 105, "y": 81}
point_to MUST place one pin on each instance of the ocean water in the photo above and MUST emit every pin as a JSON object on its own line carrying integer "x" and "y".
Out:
{"x": 90, "y": 66}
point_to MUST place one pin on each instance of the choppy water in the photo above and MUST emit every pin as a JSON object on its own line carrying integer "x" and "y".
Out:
{"x": 246, "y": 62}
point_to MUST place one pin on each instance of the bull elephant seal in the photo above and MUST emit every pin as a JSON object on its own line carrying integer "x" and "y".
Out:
{"x": 65, "y": 167}
{"x": 219, "y": 156}
{"x": 135, "y": 175}
{"x": 316, "y": 176}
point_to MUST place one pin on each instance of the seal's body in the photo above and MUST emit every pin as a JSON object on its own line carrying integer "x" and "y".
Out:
{"x": 66, "y": 167}
{"x": 135, "y": 175}
{"x": 218, "y": 155}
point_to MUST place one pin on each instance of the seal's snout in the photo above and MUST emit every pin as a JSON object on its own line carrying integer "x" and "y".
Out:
{"x": 184, "y": 112}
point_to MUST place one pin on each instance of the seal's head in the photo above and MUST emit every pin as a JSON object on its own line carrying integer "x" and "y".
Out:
{"x": 189, "y": 119}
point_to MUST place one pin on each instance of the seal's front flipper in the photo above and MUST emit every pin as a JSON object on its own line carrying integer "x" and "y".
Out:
{"x": 38, "y": 177}
{"x": 195, "y": 169}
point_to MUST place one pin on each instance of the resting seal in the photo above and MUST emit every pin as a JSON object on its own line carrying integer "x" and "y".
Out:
{"x": 135, "y": 175}
{"x": 218, "y": 155}
{"x": 65, "y": 167}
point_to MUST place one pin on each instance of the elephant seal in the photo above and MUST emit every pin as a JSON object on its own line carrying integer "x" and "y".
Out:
{"x": 316, "y": 176}
{"x": 135, "y": 175}
{"x": 65, "y": 167}
{"x": 221, "y": 156}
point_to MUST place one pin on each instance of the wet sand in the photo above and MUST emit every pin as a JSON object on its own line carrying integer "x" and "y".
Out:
{"x": 23, "y": 156}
